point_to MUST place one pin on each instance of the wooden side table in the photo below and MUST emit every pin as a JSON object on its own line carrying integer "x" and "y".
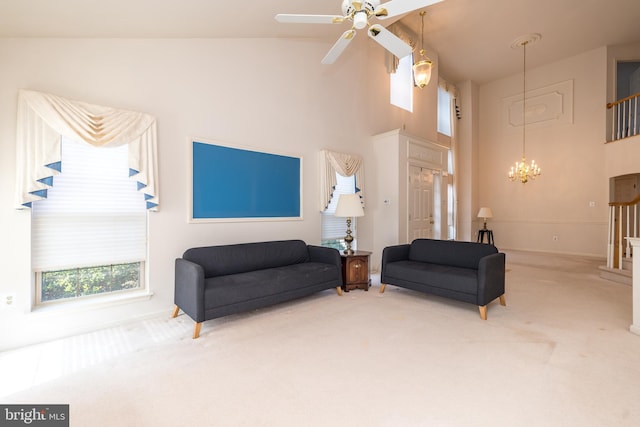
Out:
{"x": 482, "y": 232}
{"x": 355, "y": 271}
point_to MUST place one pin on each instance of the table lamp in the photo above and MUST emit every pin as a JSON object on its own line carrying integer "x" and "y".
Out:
{"x": 485, "y": 213}
{"x": 349, "y": 206}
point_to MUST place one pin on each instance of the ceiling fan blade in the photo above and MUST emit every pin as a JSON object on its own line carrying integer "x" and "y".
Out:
{"x": 398, "y": 7}
{"x": 288, "y": 18}
{"x": 389, "y": 41}
{"x": 339, "y": 47}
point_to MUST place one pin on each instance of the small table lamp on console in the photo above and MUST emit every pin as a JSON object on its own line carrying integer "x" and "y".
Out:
{"x": 349, "y": 206}
{"x": 485, "y": 213}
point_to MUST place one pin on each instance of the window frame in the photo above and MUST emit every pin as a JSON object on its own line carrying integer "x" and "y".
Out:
{"x": 140, "y": 252}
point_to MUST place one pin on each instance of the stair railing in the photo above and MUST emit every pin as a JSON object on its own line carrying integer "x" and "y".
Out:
{"x": 623, "y": 222}
{"x": 625, "y": 117}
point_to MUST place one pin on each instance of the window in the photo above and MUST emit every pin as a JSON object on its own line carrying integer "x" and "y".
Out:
{"x": 451, "y": 195}
{"x": 334, "y": 229}
{"x": 447, "y": 136}
{"x": 89, "y": 234}
{"x": 401, "y": 84}
{"x": 444, "y": 111}
{"x": 79, "y": 282}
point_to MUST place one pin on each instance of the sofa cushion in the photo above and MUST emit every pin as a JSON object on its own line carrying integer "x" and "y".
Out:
{"x": 436, "y": 275}
{"x": 234, "y": 288}
{"x": 246, "y": 257}
{"x": 450, "y": 252}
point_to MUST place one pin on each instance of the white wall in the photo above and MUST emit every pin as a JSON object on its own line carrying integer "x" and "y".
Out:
{"x": 527, "y": 216}
{"x": 266, "y": 94}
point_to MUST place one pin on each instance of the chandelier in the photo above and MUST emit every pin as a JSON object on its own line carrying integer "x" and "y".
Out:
{"x": 522, "y": 171}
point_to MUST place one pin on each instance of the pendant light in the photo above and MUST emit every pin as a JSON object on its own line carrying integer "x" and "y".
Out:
{"x": 422, "y": 68}
{"x": 522, "y": 171}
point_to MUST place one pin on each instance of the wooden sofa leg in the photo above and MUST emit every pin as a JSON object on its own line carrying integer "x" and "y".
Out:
{"x": 339, "y": 290}
{"x": 483, "y": 312}
{"x": 503, "y": 301}
{"x": 382, "y": 286}
{"x": 196, "y": 330}
{"x": 175, "y": 312}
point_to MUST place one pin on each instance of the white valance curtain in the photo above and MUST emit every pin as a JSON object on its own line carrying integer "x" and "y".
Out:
{"x": 43, "y": 119}
{"x": 345, "y": 165}
{"x": 406, "y": 35}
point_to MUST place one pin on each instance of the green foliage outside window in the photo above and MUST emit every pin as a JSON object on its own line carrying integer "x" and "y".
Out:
{"x": 338, "y": 244}
{"x": 79, "y": 282}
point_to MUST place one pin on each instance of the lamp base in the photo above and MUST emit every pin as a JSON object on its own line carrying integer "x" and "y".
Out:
{"x": 348, "y": 239}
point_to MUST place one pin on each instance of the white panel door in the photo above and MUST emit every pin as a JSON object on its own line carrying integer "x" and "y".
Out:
{"x": 420, "y": 203}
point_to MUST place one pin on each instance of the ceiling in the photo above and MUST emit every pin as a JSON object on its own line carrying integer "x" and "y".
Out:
{"x": 472, "y": 37}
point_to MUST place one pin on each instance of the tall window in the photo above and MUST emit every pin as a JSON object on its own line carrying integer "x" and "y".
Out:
{"x": 401, "y": 84}
{"x": 334, "y": 228}
{"x": 447, "y": 135}
{"x": 444, "y": 111}
{"x": 89, "y": 234}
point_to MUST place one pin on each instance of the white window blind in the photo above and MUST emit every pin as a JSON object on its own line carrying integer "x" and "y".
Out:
{"x": 93, "y": 215}
{"x": 334, "y": 227}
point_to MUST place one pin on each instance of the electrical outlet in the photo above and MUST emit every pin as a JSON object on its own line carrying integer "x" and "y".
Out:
{"x": 7, "y": 300}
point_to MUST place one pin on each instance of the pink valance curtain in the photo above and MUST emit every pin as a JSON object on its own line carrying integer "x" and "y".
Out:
{"x": 43, "y": 119}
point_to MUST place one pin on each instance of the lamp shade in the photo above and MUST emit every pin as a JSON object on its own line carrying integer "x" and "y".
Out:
{"x": 485, "y": 213}
{"x": 349, "y": 205}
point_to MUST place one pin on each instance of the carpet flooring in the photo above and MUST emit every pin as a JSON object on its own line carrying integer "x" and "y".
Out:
{"x": 559, "y": 354}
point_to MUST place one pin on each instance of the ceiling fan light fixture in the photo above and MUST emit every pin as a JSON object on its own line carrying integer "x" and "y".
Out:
{"x": 422, "y": 68}
{"x": 360, "y": 19}
{"x": 358, "y": 12}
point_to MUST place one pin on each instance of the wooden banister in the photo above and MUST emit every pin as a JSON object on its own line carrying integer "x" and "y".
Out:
{"x": 620, "y": 101}
{"x": 624, "y": 221}
{"x": 631, "y": 203}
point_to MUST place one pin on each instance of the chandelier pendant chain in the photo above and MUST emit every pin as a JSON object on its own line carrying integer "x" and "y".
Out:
{"x": 524, "y": 99}
{"x": 422, "y": 32}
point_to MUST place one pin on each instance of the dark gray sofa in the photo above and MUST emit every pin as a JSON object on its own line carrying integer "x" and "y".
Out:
{"x": 216, "y": 281}
{"x": 464, "y": 271}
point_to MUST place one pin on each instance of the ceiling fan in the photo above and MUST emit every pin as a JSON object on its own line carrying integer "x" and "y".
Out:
{"x": 359, "y": 13}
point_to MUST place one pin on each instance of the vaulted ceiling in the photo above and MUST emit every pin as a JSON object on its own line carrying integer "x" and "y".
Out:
{"x": 472, "y": 37}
